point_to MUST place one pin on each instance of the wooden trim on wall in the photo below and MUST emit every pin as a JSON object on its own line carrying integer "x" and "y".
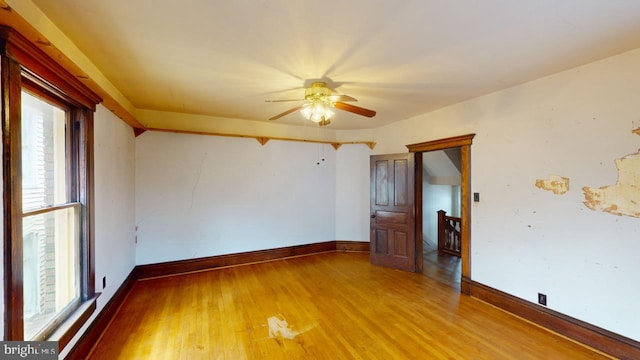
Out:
{"x": 465, "y": 285}
{"x": 352, "y": 246}
{"x": 465, "y": 219}
{"x": 263, "y": 140}
{"x": 464, "y": 143}
{"x": 212, "y": 262}
{"x": 418, "y": 182}
{"x": 603, "y": 340}
{"x": 12, "y": 190}
{"x": 440, "y": 144}
{"x": 83, "y": 347}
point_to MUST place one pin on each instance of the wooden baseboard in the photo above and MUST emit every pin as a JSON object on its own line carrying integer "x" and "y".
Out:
{"x": 465, "y": 285}
{"x": 82, "y": 348}
{"x": 212, "y": 262}
{"x": 355, "y": 246}
{"x": 603, "y": 340}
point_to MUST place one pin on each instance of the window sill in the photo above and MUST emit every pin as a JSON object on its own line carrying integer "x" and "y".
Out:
{"x": 70, "y": 327}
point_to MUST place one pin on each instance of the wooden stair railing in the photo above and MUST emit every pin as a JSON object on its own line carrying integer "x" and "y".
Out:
{"x": 448, "y": 234}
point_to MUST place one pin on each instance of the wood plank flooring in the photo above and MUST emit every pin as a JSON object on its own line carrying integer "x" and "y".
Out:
{"x": 325, "y": 306}
{"x": 444, "y": 268}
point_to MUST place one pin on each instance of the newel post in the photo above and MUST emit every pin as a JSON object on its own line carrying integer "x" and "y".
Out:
{"x": 441, "y": 229}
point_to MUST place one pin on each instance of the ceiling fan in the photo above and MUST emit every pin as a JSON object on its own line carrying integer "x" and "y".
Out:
{"x": 319, "y": 102}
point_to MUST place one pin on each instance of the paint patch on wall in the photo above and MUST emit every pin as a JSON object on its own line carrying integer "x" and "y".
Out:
{"x": 623, "y": 198}
{"x": 558, "y": 184}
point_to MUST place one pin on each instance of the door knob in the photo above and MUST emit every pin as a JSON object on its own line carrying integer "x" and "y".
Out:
{"x": 373, "y": 216}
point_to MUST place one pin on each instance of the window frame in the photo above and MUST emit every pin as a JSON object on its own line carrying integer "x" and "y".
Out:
{"x": 23, "y": 65}
{"x": 39, "y": 92}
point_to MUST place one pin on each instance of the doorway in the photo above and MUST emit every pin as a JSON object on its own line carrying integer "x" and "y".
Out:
{"x": 463, "y": 143}
{"x": 441, "y": 215}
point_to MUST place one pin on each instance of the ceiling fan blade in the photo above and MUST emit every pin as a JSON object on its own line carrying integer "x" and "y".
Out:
{"x": 333, "y": 98}
{"x": 336, "y": 98}
{"x": 286, "y": 113}
{"x": 355, "y": 109}
{"x": 284, "y": 100}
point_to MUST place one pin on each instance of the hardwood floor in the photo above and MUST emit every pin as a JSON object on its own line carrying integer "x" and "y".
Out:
{"x": 325, "y": 306}
{"x": 444, "y": 268}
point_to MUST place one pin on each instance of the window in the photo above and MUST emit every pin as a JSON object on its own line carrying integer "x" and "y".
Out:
{"x": 50, "y": 219}
{"x": 47, "y": 131}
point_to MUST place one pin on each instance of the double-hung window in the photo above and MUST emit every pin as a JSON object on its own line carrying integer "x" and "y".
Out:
{"x": 50, "y": 217}
{"x": 47, "y": 132}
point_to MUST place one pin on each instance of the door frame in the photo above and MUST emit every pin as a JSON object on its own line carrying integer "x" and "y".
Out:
{"x": 464, "y": 143}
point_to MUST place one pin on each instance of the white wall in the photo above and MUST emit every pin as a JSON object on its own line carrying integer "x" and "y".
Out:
{"x": 440, "y": 191}
{"x": 199, "y": 196}
{"x": 115, "y": 201}
{"x": 435, "y": 197}
{"x": 114, "y": 206}
{"x": 525, "y": 240}
{"x": 352, "y": 193}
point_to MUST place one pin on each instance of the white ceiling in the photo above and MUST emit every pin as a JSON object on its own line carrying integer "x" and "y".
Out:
{"x": 439, "y": 164}
{"x": 224, "y": 58}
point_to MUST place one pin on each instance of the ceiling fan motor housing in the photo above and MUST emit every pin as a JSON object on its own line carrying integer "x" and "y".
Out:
{"x": 317, "y": 91}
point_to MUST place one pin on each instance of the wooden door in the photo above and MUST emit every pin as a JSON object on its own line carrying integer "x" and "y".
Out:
{"x": 393, "y": 241}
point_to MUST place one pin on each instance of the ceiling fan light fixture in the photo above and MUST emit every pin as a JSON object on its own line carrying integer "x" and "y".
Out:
{"x": 319, "y": 104}
{"x": 317, "y": 111}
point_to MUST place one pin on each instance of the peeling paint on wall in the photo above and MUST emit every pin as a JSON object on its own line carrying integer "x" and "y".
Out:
{"x": 623, "y": 198}
{"x": 558, "y": 184}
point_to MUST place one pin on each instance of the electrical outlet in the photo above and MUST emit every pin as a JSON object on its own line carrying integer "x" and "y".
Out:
{"x": 476, "y": 197}
{"x": 104, "y": 282}
{"x": 542, "y": 299}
